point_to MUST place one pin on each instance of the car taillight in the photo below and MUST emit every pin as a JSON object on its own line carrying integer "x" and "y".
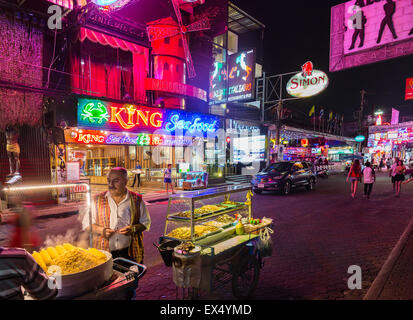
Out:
{"x": 270, "y": 180}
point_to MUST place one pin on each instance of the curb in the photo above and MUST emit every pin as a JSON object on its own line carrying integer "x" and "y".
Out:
{"x": 378, "y": 284}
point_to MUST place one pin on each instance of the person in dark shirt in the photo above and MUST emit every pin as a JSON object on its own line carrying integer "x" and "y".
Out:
{"x": 19, "y": 269}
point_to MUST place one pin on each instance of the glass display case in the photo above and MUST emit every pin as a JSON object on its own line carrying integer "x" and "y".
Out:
{"x": 193, "y": 180}
{"x": 157, "y": 174}
{"x": 207, "y": 216}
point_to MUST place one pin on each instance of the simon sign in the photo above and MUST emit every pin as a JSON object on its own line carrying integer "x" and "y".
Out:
{"x": 307, "y": 83}
{"x": 101, "y": 115}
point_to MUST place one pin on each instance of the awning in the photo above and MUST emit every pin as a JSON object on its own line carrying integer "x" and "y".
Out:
{"x": 106, "y": 40}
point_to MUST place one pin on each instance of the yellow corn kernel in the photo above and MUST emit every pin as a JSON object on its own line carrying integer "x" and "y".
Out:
{"x": 60, "y": 249}
{"x": 52, "y": 252}
{"x": 68, "y": 246}
{"x": 39, "y": 260}
{"x": 98, "y": 254}
{"x": 46, "y": 257}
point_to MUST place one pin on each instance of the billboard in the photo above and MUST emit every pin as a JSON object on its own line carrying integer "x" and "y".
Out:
{"x": 365, "y": 32}
{"x": 241, "y": 76}
{"x": 409, "y": 89}
{"x": 235, "y": 80}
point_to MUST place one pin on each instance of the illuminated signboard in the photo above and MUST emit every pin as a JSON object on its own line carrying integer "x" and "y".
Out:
{"x": 364, "y": 32}
{"x": 109, "y": 5}
{"x": 307, "y": 83}
{"x": 101, "y": 115}
{"x": 81, "y": 136}
{"x": 218, "y": 81}
{"x": 234, "y": 81}
{"x": 241, "y": 76}
{"x": 360, "y": 138}
{"x": 409, "y": 89}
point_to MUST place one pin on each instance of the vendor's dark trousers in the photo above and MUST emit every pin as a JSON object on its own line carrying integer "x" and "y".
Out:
{"x": 367, "y": 189}
{"x": 139, "y": 180}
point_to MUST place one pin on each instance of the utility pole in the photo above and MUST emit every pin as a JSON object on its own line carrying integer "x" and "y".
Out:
{"x": 361, "y": 115}
{"x": 278, "y": 124}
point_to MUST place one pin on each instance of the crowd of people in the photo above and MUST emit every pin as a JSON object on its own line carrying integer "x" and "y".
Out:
{"x": 365, "y": 173}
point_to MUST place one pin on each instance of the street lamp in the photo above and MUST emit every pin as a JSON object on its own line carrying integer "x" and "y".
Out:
{"x": 379, "y": 113}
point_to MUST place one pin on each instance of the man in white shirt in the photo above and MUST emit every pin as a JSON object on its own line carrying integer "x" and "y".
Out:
{"x": 119, "y": 218}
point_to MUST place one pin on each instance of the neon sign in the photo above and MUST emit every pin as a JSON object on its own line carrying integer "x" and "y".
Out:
{"x": 95, "y": 112}
{"x": 109, "y": 5}
{"x": 307, "y": 83}
{"x": 196, "y": 125}
{"x": 101, "y": 115}
{"x": 112, "y": 138}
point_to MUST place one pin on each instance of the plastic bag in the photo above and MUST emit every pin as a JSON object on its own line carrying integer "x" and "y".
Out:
{"x": 264, "y": 244}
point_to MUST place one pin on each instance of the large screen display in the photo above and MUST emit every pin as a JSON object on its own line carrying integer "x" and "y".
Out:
{"x": 235, "y": 80}
{"x": 249, "y": 149}
{"x": 364, "y": 32}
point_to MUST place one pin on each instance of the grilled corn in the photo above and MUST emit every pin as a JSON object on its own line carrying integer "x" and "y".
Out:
{"x": 60, "y": 249}
{"x": 52, "y": 252}
{"x": 38, "y": 258}
{"x": 46, "y": 257}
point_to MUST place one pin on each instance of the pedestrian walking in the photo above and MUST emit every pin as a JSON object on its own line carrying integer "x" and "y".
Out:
{"x": 392, "y": 173}
{"x": 388, "y": 164}
{"x": 167, "y": 178}
{"x": 399, "y": 177}
{"x": 381, "y": 165}
{"x": 355, "y": 175}
{"x": 369, "y": 177}
{"x": 138, "y": 172}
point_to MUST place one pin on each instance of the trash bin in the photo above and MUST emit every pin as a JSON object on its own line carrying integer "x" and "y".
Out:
{"x": 166, "y": 248}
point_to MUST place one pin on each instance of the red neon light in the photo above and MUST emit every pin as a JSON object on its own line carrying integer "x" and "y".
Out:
{"x": 176, "y": 88}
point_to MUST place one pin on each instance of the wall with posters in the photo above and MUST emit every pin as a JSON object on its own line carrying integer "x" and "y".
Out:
{"x": 364, "y": 32}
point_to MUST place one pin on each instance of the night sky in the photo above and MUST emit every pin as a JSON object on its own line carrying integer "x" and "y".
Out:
{"x": 298, "y": 31}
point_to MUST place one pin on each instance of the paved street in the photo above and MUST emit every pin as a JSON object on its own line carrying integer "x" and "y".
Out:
{"x": 318, "y": 235}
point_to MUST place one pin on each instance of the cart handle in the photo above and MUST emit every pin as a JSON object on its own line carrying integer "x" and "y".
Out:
{"x": 140, "y": 275}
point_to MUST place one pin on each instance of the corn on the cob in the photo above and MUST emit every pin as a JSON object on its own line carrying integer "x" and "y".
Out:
{"x": 39, "y": 260}
{"x": 68, "y": 246}
{"x": 52, "y": 252}
{"x": 46, "y": 257}
{"x": 60, "y": 249}
{"x": 98, "y": 254}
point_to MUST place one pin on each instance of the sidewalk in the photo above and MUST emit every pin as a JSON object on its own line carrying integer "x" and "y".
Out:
{"x": 395, "y": 279}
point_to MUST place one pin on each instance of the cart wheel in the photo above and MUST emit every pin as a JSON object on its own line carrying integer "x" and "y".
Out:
{"x": 245, "y": 278}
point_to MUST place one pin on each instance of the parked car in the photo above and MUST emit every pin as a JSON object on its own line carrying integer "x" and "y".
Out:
{"x": 284, "y": 176}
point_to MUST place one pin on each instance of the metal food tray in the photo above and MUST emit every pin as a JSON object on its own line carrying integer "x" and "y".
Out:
{"x": 196, "y": 239}
{"x": 201, "y": 216}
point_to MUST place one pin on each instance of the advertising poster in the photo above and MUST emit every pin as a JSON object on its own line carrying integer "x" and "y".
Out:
{"x": 409, "y": 89}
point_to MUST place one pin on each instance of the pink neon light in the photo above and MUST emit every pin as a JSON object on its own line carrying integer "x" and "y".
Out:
{"x": 63, "y": 3}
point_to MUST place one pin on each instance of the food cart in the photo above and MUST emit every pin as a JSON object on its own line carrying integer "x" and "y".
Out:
{"x": 108, "y": 279}
{"x": 223, "y": 251}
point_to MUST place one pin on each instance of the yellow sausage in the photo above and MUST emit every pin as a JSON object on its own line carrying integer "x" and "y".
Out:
{"x": 52, "y": 252}
{"x": 39, "y": 260}
{"x": 68, "y": 246}
{"x": 46, "y": 257}
{"x": 60, "y": 249}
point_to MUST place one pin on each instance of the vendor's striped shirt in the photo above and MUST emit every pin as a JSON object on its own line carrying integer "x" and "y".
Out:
{"x": 19, "y": 269}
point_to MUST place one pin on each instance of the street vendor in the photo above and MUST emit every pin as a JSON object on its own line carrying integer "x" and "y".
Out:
{"x": 119, "y": 218}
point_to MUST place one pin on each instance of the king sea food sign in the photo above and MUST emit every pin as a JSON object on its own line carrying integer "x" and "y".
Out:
{"x": 108, "y": 116}
{"x": 307, "y": 83}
